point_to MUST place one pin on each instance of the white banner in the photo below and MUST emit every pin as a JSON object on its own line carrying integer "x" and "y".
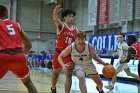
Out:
{"x": 126, "y": 10}
{"x": 92, "y": 12}
{"x": 114, "y": 11}
{"x": 137, "y": 11}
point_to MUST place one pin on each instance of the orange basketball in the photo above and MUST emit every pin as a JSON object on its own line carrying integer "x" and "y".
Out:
{"x": 108, "y": 71}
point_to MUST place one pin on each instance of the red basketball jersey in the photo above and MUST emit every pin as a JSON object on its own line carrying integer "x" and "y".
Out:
{"x": 9, "y": 35}
{"x": 137, "y": 48}
{"x": 65, "y": 37}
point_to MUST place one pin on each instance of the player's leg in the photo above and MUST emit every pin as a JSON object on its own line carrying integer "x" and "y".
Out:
{"x": 3, "y": 65}
{"x": 114, "y": 78}
{"x": 96, "y": 78}
{"x": 68, "y": 80}
{"x": 93, "y": 74}
{"x": 56, "y": 71}
{"x": 127, "y": 70}
{"x": 20, "y": 68}
{"x": 81, "y": 76}
{"x": 131, "y": 74}
{"x": 34, "y": 63}
{"x": 55, "y": 77}
{"x": 120, "y": 68}
{"x": 29, "y": 85}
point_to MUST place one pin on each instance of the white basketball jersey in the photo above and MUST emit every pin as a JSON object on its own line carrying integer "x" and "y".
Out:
{"x": 81, "y": 58}
{"x": 122, "y": 49}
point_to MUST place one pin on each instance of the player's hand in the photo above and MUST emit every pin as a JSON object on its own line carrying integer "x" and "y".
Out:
{"x": 122, "y": 62}
{"x": 64, "y": 67}
{"x": 57, "y": 9}
{"x": 114, "y": 54}
{"x": 123, "y": 58}
{"x": 106, "y": 64}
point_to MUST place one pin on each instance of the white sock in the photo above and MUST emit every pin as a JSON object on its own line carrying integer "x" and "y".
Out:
{"x": 112, "y": 84}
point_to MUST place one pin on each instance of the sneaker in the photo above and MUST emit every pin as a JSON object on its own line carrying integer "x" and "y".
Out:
{"x": 109, "y": 87}
{"x": 138, "y": 83}
{"x": 53, "y": 90}
{"x": 99, "y": 90}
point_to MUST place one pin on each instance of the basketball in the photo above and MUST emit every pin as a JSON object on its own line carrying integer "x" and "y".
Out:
{"x": 108, "y": 71}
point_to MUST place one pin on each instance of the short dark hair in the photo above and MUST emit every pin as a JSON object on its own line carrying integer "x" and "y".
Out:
{"x": 3, "y": 11}
{"x": 122, "y": 34}
{"x": 132, "y": 38}
{"x": 2, "y": 8}
{"x": 67, "y": 12}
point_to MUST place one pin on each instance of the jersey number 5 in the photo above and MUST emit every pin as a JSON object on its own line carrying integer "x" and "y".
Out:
{"x": 11, "y": 29}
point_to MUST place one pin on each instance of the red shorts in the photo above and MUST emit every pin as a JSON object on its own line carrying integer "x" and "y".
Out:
{"x": 55, "y": 61}
{"x": 16, "y": 63}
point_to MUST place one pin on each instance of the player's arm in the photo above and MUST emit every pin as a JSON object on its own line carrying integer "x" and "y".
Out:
{"x": 64, "y": 53}
{"x": 26, "y": 42}
{"x": 94, "y": 56}
{"x": 57, "y": 21}
{"x": 131, "y": 51}
{"x": 115, "y": 53}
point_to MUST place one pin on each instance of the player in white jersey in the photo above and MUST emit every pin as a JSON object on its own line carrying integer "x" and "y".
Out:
{"x": 122, "y": 53}
{"x": 82, "y": 53}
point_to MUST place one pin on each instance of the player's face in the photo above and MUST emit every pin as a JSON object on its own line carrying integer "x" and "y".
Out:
{"x": 120, "y": 38}
{"x": 69, "y": 18}
{"x": 80, "y": 41}
{"x": 129, "y": 42}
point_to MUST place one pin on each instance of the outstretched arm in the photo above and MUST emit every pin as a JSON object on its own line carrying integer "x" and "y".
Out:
{"x": 57, "y": 21}
{"x": 94, "y": 56}
{"x": 131, "y": 51}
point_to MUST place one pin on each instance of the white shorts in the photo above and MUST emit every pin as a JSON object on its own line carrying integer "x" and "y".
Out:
{"x": 122, "y": 67}
{"x": 87, "y": 69}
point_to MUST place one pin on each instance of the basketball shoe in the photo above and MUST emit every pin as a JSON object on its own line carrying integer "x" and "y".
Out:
{"x": 53, "y": 90}
{"x": 99, "y": 90}
{"x": 111, "y": 87}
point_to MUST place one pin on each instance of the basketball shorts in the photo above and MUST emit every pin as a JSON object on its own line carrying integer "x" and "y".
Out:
{"x": 89, "y": 70}
{"x": 16, "y": 63}
{"x": 55, "y": 62}
{"x": 122, "y": 67}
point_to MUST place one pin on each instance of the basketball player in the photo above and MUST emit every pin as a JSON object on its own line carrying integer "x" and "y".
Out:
{"x": 122, "y": 52}
{"x": 66, "y": 35}
{"x": 12, "y": 54}
{"x": 137, "y": 58}
{"x": 133, "y": 50}
{"x": 81, "y": 54}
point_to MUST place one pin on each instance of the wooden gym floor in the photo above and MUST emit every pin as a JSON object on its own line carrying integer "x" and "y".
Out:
{"x": 42, "y": 81}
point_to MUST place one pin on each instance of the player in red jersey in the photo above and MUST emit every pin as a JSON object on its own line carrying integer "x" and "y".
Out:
{"x": 133, "y": 50}
{"x": 12, "y": 54}
{"x": 65, "y": 35}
